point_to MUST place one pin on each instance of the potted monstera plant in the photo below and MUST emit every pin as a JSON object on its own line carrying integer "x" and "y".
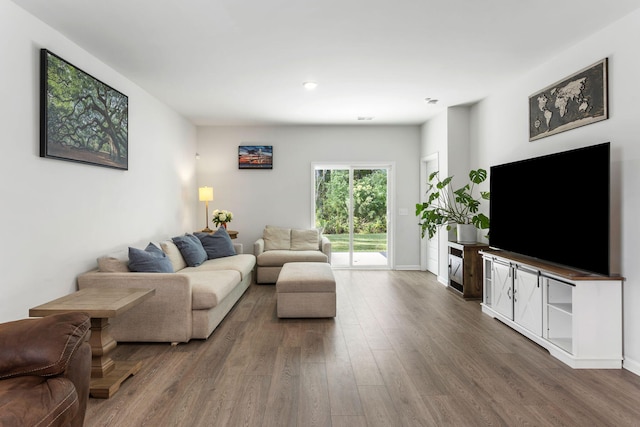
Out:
{"x": 446, "y": 207}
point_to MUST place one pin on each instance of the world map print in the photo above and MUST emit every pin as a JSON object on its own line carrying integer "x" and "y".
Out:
{"x": 578, "y": 100}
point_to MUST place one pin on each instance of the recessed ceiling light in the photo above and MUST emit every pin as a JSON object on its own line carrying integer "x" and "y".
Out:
{"x": 431, "y": 101}
{"x": 365, "y": 118}
{"x": 310, "y": 85}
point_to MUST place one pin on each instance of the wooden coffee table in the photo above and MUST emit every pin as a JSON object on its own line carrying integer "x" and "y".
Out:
{"x": 101, "y": 304}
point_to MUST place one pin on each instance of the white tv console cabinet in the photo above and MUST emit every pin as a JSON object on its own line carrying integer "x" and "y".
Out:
{"x": 576, "y": 316}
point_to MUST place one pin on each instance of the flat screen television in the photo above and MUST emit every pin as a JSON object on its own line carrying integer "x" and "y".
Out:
{"x": 554, "y": 208}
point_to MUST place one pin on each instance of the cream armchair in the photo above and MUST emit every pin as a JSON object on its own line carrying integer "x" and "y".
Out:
{"x": 280, "y": 245}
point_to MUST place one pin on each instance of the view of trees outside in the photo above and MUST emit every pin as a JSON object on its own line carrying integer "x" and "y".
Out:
{"x": 369, "y": 210}
{"x": 86, "y": 119}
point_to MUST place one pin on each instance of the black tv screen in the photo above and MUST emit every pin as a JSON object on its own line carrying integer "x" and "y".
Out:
{"x": 554, "y": 208}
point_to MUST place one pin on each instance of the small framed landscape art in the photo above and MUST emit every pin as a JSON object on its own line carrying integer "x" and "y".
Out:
{"x": 81, "y": 119}
{"x": 574, "y": 101}
{"x": 255, "y": 157}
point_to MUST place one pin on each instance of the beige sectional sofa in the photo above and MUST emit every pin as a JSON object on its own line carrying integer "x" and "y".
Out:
{"x": 280, "y": 245}
{"x": 189, "y": 302}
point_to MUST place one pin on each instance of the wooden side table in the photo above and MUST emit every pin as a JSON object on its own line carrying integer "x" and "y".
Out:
{"x": 232, "y": 234}
{"x": 101, "y": 304}
{"x": 465, "y": 269}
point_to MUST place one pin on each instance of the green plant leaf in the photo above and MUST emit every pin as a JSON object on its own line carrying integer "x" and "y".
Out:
{"x": 481, "y": 221}
{"x": 444, "y": 183}
{"x": 445, "y": 207}
{"x": 478, "y": 176}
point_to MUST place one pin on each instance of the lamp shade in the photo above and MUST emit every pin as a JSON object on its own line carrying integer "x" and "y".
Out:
{"x": 205, "y": 194}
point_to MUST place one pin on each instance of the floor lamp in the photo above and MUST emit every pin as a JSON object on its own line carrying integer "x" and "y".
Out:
{"x": 205, "y": 194}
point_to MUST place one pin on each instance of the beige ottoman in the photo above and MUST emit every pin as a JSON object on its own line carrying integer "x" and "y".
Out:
{"x": 306, "y": 289}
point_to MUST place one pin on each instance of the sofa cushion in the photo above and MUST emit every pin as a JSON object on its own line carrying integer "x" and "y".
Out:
{"x": 208, "y": 289}
{"x": 242, "y": 263}
{"x": 117, "y": 262}
{"x": 149, "y": 260}
{"x": 279, "y": 258}
{"x": 172, "y": 251}
{"x": 218, "y": 244}
{"x": 305, "y": 240}
{"x": 191, "y": 249}
{"x": 276, "y": 238}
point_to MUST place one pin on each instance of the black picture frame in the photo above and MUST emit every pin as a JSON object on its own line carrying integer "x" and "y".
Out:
{"x": 578, "y": 100}
{"x": 81, "y": 118}
{"x": 255, "y": 157}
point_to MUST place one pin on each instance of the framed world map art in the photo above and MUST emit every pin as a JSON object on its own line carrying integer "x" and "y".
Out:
{"x": 577, "y": 100}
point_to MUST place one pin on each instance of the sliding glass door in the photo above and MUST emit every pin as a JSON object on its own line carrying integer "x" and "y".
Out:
{"x": 351, "y": 205}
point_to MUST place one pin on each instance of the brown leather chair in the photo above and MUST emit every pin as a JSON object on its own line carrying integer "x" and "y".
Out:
{"x": 45, "y": 370}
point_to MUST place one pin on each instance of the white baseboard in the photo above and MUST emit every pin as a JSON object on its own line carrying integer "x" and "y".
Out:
{"x": 443, "y": 280}
{"x": 631, "y": 366}
{"x": 407, "y": 267}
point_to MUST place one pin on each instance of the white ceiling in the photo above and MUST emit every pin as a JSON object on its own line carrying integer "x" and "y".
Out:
{"x": 223, "y": 62}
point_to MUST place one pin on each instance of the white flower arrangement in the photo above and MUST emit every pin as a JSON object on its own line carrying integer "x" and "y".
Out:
{"x": 221, "y": 217}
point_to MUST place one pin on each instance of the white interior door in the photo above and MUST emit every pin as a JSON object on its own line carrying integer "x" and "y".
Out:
{"x": 430, "y": 254}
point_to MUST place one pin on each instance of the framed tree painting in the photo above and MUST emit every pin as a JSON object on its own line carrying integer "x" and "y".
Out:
{"x": 574, "y": 101}
{"x": 81, "y": 119}
{"x": 255, "y": 157}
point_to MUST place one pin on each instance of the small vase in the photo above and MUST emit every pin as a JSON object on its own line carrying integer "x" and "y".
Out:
{"x": 224, "y": 225}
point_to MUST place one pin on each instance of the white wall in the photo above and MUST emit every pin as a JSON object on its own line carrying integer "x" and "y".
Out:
{"x": 435, "y": 140}
{"x": 448, "y": 134}
{"x": 499, "y": 134}
{"x": 282, "y": 196}
{"x": 58, "y": 216}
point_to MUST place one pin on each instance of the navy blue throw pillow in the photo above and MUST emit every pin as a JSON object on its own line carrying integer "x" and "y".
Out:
{"x": 191, "y": 249}
{"x": 218, "y": 244}
{"x": 150, "y": 260}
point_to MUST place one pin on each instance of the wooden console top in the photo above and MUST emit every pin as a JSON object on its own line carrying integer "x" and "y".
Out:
{"x": 558, "y": 270}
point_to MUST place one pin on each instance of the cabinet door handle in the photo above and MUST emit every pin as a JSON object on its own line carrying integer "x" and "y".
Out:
{"x": 509, "y": 293}
{"x": 514, "y": 295}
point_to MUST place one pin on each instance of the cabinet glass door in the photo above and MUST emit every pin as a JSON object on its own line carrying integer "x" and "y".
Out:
{"x": 487, "y": 294}
{"x": 560, "y": 314}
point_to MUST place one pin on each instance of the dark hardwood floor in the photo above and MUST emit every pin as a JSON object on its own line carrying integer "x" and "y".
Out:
{"x": 402, "y": 351}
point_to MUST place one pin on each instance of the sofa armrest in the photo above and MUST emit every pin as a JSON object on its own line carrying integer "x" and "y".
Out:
{"x": 258, "y": 247}
{"x": 325, "y": 247}
{"x": 43, "y": 346}
{"x": 239, "y": 248}
{"x": 55, "y": 348}
{"x": 165, "y": 317}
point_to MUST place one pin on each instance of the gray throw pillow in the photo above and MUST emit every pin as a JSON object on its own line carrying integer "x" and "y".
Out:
{"x": 150, "y": 260}
{"x": 218, "y": 244}
{"x": 191, "y": 249}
